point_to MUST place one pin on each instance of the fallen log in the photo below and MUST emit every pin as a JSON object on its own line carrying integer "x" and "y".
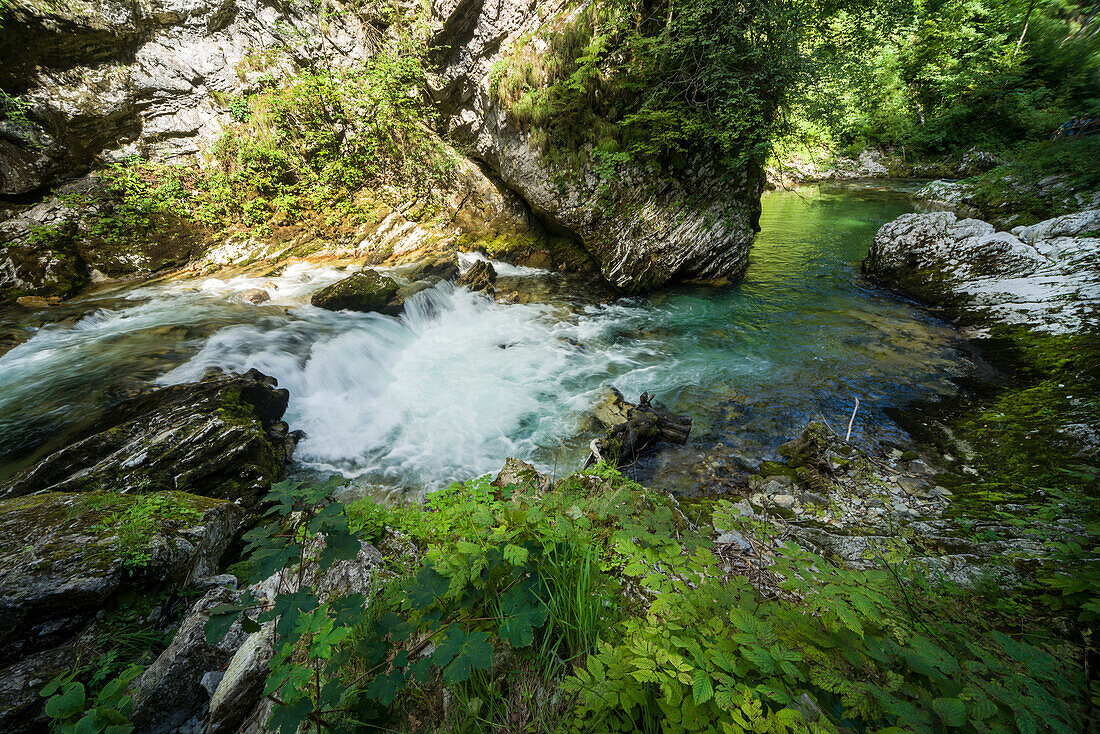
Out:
{"x": 633, "y": 429}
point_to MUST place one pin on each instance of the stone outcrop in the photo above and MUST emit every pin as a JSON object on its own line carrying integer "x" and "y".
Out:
{"x": 54, "y": 247}
{"x": 63, "y": 555}
{"x": 643, "y": 228}
{"x": 95, "y": 84}
{"x": 115, "y": 78}
{"x": 364, "y": 291}
{"x": 218, "y": 687}
{"x": 221, "y": 437}
{"x": 170, "y": 691}
{"x": 1045, "y": 276}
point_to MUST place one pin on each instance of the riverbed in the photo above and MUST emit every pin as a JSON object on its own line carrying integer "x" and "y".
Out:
{"x": 459, "y": 382}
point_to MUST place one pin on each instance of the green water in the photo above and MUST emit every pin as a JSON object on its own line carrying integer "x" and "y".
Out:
{"x": 459, "y": 382}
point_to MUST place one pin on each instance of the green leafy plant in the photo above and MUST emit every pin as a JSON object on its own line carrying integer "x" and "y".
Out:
{"x": 72, "y": 710}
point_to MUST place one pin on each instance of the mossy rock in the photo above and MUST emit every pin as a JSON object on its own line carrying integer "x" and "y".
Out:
{"x": 365, "y": 291}
{"x": 219, "y": 437}
{"x": 64, "y": 555}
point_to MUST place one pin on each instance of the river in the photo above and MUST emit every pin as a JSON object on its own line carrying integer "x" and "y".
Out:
{"x": 459, "y": 382}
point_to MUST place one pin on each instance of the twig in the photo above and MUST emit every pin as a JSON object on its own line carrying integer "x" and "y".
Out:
{"x": 853, "y": 420}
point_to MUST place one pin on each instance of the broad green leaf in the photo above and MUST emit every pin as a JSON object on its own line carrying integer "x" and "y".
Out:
{"x": 951, "y": 711}
{"x": 702, "y": 690}
{"x": 67, "y": 703}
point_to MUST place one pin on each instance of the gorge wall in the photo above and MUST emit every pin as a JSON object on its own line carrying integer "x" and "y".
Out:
{"x": 88, "y": 85}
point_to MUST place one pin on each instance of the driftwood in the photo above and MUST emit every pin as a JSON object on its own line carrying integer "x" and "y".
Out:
{"x": 636, "y": 428}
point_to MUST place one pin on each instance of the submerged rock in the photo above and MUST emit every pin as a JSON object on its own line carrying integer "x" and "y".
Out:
{"x": 220, "y": 437}
{"x": 1046, "y": 275}
{"x": 365, "y": 291}
{"x": 255, "y": 296}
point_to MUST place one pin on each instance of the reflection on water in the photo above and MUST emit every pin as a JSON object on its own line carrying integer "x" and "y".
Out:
{"x": 459, "y": 382}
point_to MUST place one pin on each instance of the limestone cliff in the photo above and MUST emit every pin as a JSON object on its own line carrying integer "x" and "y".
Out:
{"x": 90, "y": 84}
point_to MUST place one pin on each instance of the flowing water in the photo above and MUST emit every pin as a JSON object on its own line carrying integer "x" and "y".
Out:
{"x": 459, "y": 382}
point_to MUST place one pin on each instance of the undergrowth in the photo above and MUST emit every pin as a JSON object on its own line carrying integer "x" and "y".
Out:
{"x": 604, "y": 603}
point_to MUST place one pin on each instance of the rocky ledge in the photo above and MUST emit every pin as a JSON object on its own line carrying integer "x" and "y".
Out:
{"x": 221, "y": 437}
{"x": 65, "y": 558}
{"x": 1045, "y": 276}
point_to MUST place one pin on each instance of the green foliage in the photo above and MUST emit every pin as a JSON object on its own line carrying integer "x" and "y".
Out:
{"x": 135, "y": 519}
{"x": 1066, "y": 168}
{"x": 605, "y": 596}
{"x": 72, "y": 711}
{"x": 664, "y": 81}
{"x": 936, "y": 78}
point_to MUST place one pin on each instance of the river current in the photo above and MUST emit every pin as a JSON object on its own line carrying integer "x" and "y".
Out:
{"x": 459, "y": 382}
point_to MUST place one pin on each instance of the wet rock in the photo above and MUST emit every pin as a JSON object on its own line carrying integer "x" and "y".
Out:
{"x": 442, "y": 267}
{"x": 646, "y": 424}
{"x": 170, "y": 691}
{"x": 255, "y": 296}
{"x": 480, "y": 277}
{"x": 37, "y": 270}
{"x": 210, "y": 437}
{"x": 62, "y": 556}
{"x": 365, "y": 291}
{"x": 1046, "y": 276}
{"x": 37, "y": 302}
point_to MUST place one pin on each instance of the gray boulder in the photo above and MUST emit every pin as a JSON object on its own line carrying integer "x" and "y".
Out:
{"x": 243, "y": 683}
{"x": 1045, "y": 276}
{"x": 219, "y": 437}
{"x": 170, "y": 692}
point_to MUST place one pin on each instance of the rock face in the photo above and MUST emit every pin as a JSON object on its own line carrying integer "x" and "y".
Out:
{"x": 121, "y": 78}
{"x": 644, "y": 229}
{"x": 1046, "y": 275}
{"x": 220, "y": 437}
{"x": 63, "y": 557}
{"x": 365, "y": 291}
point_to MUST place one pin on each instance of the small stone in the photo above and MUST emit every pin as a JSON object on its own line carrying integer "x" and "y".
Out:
{"x": 941, "y": 491}
{"x": 813, "y": 498}
{"x": 913, "y": 486}
{"x": 255, "y": 296}
{"x": 783, "y": 500}
{"x": 210, "y": 680}
{"x": 34, "y": 302}
{"x": 733, "y": 537}
{"x": 894, "y": 453}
